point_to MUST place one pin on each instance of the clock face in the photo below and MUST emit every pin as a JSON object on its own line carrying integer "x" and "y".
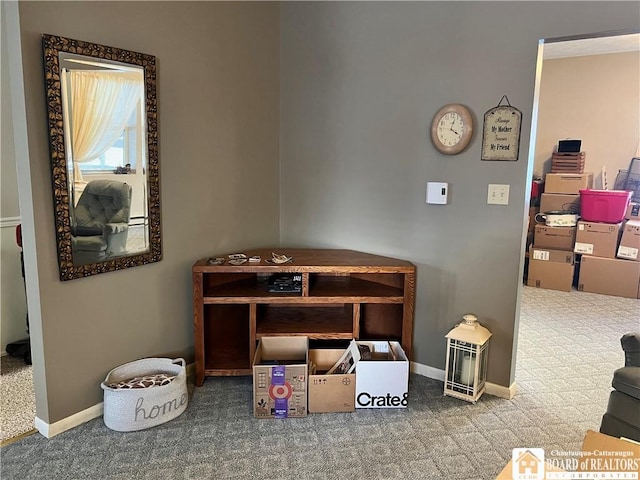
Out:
{"x": 451, "y": 129}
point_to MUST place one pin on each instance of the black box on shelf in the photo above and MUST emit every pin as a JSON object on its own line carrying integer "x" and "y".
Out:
{"x": 569, "y": 146}
{"x": 285, "y": 283}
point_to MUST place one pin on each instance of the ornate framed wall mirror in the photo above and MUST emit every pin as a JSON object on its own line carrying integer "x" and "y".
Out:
{"x": 102, "y": 118}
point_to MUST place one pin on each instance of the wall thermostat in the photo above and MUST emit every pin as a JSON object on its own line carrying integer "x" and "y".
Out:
{"x": 437, "y": 193}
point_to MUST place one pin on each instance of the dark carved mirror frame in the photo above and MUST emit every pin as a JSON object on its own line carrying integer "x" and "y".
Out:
{"x": 52, "y": 46}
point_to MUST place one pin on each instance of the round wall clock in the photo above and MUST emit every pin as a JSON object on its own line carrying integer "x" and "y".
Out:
{"x": 452, "y": 129}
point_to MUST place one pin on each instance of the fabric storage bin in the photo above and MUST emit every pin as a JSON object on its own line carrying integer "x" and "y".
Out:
{"x": 130, "y": 409}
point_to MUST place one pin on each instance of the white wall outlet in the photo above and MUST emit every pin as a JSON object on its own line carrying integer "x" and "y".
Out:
{"x": 437, "y": 193}
{"x": 498, "y": 194}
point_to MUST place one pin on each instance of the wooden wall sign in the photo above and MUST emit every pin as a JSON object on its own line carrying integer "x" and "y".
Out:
{"x": 501, "y": 132}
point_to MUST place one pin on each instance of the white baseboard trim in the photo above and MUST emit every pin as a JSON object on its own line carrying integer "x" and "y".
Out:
{"x": 500, "y": 391}
{"x": 53, "y": 429}
{"x": 427, "y": 371}
{"x": 438, "y": 374}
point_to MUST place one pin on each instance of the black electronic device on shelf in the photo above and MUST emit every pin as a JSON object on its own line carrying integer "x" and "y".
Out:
{"x": 285, "y": 283}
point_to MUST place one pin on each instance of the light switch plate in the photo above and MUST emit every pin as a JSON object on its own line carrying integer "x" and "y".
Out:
{"x": 498, "y": 194}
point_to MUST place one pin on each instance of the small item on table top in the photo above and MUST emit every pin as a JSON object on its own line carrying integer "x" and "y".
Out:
{"x": 237, "y": 261}
{"x": 216, "y": 261}
{"x": 279, "y": 258}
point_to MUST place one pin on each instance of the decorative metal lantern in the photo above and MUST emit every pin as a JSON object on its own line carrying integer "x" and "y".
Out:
{"x": 466, "y": 368}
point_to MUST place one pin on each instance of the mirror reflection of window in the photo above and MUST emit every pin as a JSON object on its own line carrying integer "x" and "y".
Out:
{"x": 116, "y": 156}
{"x": 106, "y": 134}
{"x": 125, "y": 154}
{"x": 103, "y": 117}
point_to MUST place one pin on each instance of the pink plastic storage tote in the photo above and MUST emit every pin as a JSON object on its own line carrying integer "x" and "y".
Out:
{"x": 607, "y": 206}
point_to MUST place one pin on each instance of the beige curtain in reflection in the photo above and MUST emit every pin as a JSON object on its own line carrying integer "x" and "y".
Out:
{"x": 101, "y": 104}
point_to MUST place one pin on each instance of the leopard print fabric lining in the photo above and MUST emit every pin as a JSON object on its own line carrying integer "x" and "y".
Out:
{"x": 148, "y": 381}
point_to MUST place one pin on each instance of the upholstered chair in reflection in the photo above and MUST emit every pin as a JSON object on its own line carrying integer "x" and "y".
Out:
{"x": 100, "y": 221}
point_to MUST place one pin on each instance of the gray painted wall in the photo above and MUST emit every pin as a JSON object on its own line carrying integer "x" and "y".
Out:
{"x": 360, "y": 83}
{"x": 13, "y": 306}
{"x": 217, "y": 66}
{"x": 8, "y": 183}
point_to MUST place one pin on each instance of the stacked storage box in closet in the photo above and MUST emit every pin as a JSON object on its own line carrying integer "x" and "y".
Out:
{"x": 552, "y": 260}
{"x": 584, "y": 237}
{"x": 608, "y": 240}
{"x": 601, "y": 253}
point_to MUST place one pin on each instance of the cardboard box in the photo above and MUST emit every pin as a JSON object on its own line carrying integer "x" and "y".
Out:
{"x": 629, "y": 247}
{"x": 550, "y": 202}
{"x": 600, "y": 454}
{"x": 609, "y": 276}
{"x": 529, "y": 240}
{"x": 598, "y": 239}
{"x": 552, "y": 269}
{"x": 557, "y": 238}
{"x": 532, "y": 218}
{"x": 633, "y": 211}
{"x": 280, "y": 377}
{"x": 604, "y": 453}
{"x": 330, "y": 393}
{"x": 567, "y": 182}
{"x": 383, "y": 382}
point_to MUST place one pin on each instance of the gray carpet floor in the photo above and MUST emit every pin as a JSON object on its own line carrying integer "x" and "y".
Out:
{"x": 17, "y": 402}
{"x": 568, "y": 349}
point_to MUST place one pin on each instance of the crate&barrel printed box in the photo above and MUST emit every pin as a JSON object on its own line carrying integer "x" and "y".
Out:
{"x": 383, "y": 380}
{"x": 280, "y": 377}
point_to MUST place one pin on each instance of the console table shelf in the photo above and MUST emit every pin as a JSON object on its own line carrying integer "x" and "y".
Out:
{"x": 310, "y": 321}
{"x": 345, "y": 294}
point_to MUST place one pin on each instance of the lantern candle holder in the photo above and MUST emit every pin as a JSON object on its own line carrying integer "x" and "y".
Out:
{"x": 466, "y": 366}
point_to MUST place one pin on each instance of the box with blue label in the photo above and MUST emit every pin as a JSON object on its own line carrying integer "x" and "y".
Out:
{"x": 382, "y": 375}
{"x": 280, "y": 369}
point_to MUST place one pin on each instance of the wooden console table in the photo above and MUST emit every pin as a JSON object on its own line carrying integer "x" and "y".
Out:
{"x": 345, "y": 294}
